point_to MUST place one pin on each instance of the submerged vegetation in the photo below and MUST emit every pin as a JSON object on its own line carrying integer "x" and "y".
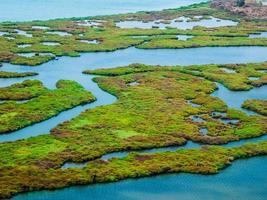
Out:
{"x": 46, "y": 104}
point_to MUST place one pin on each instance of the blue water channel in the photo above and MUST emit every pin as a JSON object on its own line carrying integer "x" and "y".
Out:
{"x": 71, "y": 68}
{"x": 184, "y": 186}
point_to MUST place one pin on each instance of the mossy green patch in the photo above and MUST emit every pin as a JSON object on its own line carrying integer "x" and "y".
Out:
{"x": 48, "y": 104}
{"x": 22, "y": 91}
{"x": 154, "y": 113}
{"x": 4, "y": 74}
{"x": 259, "y": 106}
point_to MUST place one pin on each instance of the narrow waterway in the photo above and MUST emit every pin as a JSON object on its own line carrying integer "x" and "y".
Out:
{"x": 188, "y": 145}
{"x": 71, "y": 68}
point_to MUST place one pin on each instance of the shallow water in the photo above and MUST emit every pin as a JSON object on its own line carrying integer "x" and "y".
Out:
{"x": 193, "y": 104}
{"x": 245, "y": 180}
{"x": 173, "y": 186}
{"x": 27, "y": 55}
{"x": 252, "y": 78}
{"x": 30, "y": 55}
{"x": 184, "y": 37}
{"x": 89, "y": 23}
{"x": 61, "y": 33}
{"x": 135, "y": 83}
{"x": 24, "y": 33}
{"x": 15, "y": 10}
{"x": 90, "y": 41}
{"x": 50, "y": 43}
{"x": 260, "y": 35}
{"x": 179, "y": 23}
{"x": 234, "y": 99}
{"x": 203, "y": 131}
{"x": 41, "y": 27}
{"x": 229, "y": 71}
{"x": 3, "y": 33}
{"x": 23, "y": 45}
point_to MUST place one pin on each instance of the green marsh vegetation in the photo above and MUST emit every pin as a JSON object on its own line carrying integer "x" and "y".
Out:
{"x": 161, "y": 95}
{"x": 233, "y": 76}
{"x": 259, "y": 106}
{"x": 22, "y": 91}
{"x": 111, "y": 38}
{"x": 44, "y": 103}
{"x": 4, "y": 74}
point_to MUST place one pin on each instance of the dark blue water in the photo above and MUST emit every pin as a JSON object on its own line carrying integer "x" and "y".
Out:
{"x": 16, "y": 10}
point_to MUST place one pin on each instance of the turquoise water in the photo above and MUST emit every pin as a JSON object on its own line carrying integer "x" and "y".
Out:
{"x": 180, "y": 23}
{"x": 244, "y": 181}
{"x": 234, "y": 99}
{"x": 71, "y": 68}
{"x": 16, "y": 10}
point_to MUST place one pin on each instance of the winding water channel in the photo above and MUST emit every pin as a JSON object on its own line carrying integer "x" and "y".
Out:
{"x": 71, "y": 68}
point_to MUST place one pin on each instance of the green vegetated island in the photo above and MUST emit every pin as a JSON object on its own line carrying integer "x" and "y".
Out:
{"x": 47, "y": 40}
{"x": 177, "y": 101}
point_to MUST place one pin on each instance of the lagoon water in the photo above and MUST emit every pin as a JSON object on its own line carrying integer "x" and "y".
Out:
{"x": 243, "y": 180}
{"x": 235, "y": 99}
{"x": 15, "y": 10}
{"x": 179, "y": 23}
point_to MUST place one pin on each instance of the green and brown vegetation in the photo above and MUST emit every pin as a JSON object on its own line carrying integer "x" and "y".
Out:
{"x": 259, "y": 106}
{"x": 232, "y": 76}
{"x": 166, "y": 95}
{"x": 111, "y": 38}
{"x": 47, "y": 103}
{"x": 162, "y": 96}
{"x": 4, "y": 74}
{"x": 23, "y": 91}
{"x": 202, "y": 41}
